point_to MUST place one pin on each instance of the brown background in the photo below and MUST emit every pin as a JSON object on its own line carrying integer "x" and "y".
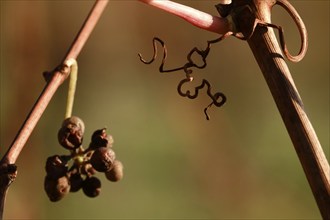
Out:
{"x": 241, "y": 164}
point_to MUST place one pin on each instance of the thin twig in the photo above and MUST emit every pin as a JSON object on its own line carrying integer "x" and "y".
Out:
{"x": 58, "y": 77}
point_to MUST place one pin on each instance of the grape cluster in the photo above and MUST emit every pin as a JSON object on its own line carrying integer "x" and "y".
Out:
{"x": 99, "y": 156}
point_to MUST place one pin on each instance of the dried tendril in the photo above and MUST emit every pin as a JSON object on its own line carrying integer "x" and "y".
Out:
{"x": 218, "y": 98}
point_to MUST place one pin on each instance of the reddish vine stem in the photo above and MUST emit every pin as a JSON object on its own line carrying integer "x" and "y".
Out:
{"x": 193, "y": 16}
{"x": 7, "y": 168}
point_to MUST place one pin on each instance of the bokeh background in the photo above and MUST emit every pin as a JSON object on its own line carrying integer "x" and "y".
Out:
{"x": 239, "y": 165}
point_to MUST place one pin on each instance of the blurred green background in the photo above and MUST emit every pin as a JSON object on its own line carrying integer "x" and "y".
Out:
{"x": 240, "y": 164}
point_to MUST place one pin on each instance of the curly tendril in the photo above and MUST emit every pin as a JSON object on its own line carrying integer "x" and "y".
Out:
{"x": 218, "y": 98}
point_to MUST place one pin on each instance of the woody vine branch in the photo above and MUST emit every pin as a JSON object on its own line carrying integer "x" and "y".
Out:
{"x": 8, "y": 170}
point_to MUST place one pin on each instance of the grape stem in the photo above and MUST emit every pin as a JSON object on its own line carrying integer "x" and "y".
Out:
{"x": 73, "y": 65}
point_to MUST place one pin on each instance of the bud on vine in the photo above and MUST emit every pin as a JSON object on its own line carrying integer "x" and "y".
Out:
{"x": 56, "y": 166}
{"x": 56, "y": 189}
{"x": 101, "y": 139}
{"x": 76, "y": 182}
{"x": 92, "y": 186}
{"x": 70, "y": 135}
{"x": 102, "y": 159}
{"x": 116, "y": 173}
